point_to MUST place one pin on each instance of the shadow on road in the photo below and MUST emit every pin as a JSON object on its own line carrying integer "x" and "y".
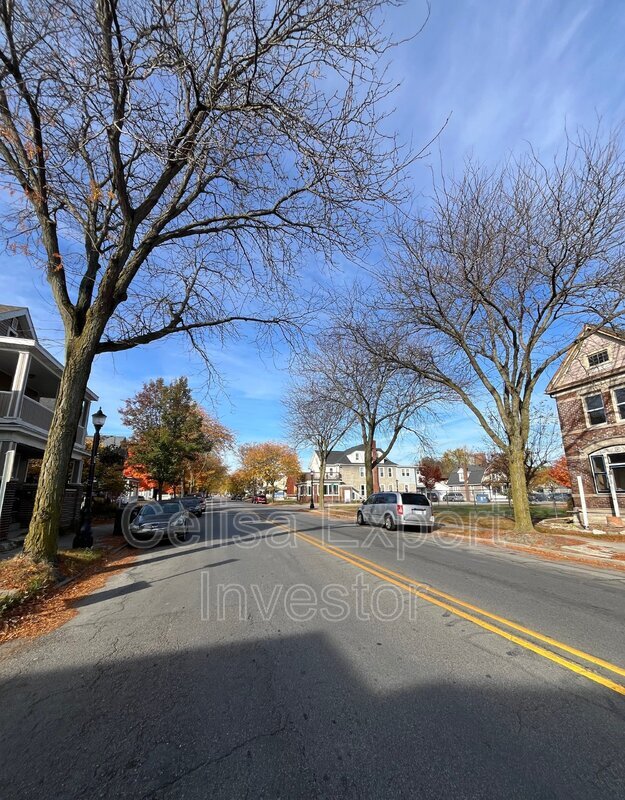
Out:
{"x": 290, "y": 717}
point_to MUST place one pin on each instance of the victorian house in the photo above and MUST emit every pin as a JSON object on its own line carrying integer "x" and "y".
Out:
{"x": 589, "y": 390}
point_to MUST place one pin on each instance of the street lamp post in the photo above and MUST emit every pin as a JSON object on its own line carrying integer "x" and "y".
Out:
{"x": 84, "y": 537}
{"x": 312, "y": 489}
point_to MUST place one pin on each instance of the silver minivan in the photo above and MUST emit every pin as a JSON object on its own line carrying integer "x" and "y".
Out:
{"x": 396, "y": 510}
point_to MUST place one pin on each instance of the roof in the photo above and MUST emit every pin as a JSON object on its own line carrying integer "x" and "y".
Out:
{"x": 11, "y": 309}
{"x": 476, "y": 476}
{"x": 340, "y": 456}
{"x": 558, "y": 380}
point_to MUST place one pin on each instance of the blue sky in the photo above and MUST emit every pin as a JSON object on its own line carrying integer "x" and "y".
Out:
{"x": 504, "y": 72}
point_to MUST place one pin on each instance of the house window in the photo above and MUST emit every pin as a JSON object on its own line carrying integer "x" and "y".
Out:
{"x": 595, "y": 409}
{"x": 381, "y": 471}
{"x": 405, "y": 487}
{"x": 381, "y": 487}
{"x": 356, "y": 456}
{"x": 600, "y": 357}
{"x": 619, "y": 402}
{"x": 362, "y": 490}
{"x": 599, "y": 473}
{"x": 617, "y": 466}
{"x": 390, "y": 472}
{"x": 362, "y": 472}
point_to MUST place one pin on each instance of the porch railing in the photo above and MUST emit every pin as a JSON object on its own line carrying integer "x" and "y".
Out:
{"x": 5, "y": 403}
{"x": 36, "y": 414}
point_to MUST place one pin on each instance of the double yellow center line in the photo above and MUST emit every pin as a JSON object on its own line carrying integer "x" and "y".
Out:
{"x": 483, "y": 618}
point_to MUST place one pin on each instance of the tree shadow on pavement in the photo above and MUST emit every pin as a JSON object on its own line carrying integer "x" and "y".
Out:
{"x": 291, "y": 717}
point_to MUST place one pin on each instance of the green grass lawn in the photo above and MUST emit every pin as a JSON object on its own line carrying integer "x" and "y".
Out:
{"x": 466, "y": 512}
{"x": 500, "y": 511}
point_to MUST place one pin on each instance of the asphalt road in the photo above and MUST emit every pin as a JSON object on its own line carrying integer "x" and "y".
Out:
{"x": 261, "y": 663}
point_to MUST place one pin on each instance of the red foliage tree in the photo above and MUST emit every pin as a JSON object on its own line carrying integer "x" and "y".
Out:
{"x": 431, "y": 472}
{"x": 559, "y": 472}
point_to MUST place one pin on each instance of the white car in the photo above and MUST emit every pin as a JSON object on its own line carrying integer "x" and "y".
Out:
{"x": 396, "y": 510}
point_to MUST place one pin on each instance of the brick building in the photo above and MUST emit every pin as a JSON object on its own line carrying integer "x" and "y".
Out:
{"x": 589, "y": 390}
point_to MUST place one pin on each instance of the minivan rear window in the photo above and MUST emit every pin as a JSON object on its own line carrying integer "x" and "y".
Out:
{"x": 413, "y": 499}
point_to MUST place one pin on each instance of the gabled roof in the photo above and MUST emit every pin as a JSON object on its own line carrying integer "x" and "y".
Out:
{"x": 340, "y": 456}
{"x": 9, "y": 312}
{"x": 476, "y": 476}
{"x": 613, "y": 332}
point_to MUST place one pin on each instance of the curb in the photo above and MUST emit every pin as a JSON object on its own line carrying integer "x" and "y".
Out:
{"x": 71, "y": 578}
{"x": 551, "y": 555}
{"x": 545, "y": 553}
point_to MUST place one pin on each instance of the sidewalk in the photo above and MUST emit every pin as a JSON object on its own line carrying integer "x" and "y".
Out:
{"x": 101, "y": 532}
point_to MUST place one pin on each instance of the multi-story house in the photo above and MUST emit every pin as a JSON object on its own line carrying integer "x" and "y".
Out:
{"x": 345, "y": 479}
{"x": 589, "y": 390}
{"x": 474, "y": 482}
{"x": 29, "y": 381}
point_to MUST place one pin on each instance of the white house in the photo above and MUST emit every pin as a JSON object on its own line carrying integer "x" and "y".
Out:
{"x": 345, "y": 479}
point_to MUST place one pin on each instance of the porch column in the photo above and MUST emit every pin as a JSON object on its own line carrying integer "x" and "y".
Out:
{"x": 19, "y": 384}
{"x": 76, "y": 476}
{"x": 6, "y": 464}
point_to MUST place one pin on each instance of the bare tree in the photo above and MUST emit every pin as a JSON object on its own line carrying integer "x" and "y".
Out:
{"x": 315, "y": 418}
{"x": 169, "y": 162}
{"x": 383, "y": 398}
{"x": 493, "y": 283}
{"x": 544, "y": 442}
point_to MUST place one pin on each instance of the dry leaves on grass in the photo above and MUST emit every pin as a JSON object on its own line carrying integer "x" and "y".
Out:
{"x": 54, "y": 605}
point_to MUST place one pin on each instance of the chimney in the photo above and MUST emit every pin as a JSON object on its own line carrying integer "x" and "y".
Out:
{"x": 376, "y": 472}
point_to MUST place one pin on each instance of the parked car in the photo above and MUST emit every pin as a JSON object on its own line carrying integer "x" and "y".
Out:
{"x": 396, "y": 510}
{"x": 259, "y": 498}
{"x": 194, "y": 505}
{"x": 561, "y": 497}
{"x": 155, "y": 522}
{"x": 454, "y": 497}
{"x": 538, "y": 497}
{"x": 432, "y": 497}
{"x": 482, "y": 497}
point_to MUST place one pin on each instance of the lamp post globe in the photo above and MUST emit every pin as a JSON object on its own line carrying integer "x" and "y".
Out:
{"x": 84, "y": 537}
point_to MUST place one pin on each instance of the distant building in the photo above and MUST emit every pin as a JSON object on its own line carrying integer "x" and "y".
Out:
{"x": 29, "y": 382}
{"x": 475, "y": 481}
{"x": 589, "y": 390}
{"x": 345, "y": 479}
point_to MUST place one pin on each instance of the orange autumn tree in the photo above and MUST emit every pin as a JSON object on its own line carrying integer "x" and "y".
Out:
{"x": 267, "y": 463}
{"x": 559, "y": 472}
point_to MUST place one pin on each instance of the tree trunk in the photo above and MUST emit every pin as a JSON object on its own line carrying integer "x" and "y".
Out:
{"x": 368, "y": 467}
{"x": 322, "y": 478}
{"x": 518, "y": 486}
{"x": 41, "y": 541}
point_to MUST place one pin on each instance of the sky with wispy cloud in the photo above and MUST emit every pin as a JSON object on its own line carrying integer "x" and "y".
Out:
{"x": 493, "y": 75}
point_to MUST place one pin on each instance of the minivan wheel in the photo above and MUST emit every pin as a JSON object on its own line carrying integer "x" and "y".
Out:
{"x": 389, "y": 523}
{"x": 360, "y": 520}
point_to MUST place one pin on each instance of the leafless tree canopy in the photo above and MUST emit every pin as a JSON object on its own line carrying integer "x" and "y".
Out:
{"x": 492, "y": 284}
{"x": 383, "y": 398}
{"x": 170, "y": 160}
{"x": 315, "y": 418}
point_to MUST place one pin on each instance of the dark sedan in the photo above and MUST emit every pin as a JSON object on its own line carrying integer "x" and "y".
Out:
{"x": 194, "y": 505}
{"x": 155, "y": 522}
